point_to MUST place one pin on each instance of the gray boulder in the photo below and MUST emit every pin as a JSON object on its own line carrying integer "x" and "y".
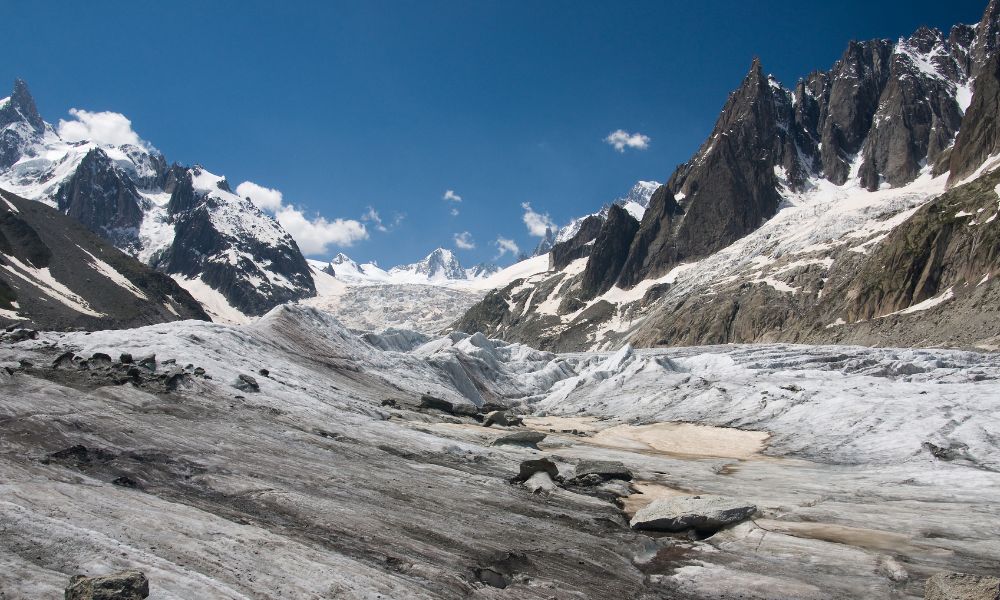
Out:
{"x": 959, "y": 586}
{"x": 246, "y": 383}
{"x": 603, "y": 469}
{"x": 125, "y": 585}
{"x": 692, "y": 512}
{"x": 520, "y": 438}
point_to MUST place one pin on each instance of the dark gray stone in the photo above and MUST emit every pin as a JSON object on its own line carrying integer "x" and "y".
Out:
{"x": 125, "y": 585}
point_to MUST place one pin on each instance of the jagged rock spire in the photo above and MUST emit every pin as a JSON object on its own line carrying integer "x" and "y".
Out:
{"x": 21, "y": 107}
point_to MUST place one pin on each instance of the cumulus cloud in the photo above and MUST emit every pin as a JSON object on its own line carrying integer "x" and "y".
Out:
{"x": 101, "y": 127}
{"x": 454, "y": 212}
{"x": 463, "y": 241}
{"x": 451, "y": 196}
{"x": 316, "y": 235}
{"x": 313, "y": 235}
{"x": 537, "y": 223}
{"x": 265, "y": 198}
{"x": 621, "y": 139}
{"x": 505, "y": 246}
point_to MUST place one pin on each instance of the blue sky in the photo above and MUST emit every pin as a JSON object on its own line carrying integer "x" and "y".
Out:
{"x": 344, "y": 106}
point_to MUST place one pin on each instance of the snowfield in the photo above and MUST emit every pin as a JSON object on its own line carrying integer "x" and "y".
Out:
{"x": 871, "y": 468}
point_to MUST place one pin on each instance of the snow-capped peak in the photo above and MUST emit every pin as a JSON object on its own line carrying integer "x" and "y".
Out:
{"x": 439, "y": 264}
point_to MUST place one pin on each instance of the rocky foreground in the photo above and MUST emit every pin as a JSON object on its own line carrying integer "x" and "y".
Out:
{"x": 292, "y": 459}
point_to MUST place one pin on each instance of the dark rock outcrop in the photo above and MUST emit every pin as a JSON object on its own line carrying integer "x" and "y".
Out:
{"x": 979, "y": 137}
{"x": 611, "y": 247}
{"x": 577, "y": 246}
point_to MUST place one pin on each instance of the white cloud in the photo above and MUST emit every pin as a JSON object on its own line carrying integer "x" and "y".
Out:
{"x": 505, "y": 245}
{"x": 313, "y": 235}
{"x": 451, "y": 196}
{"x": 454, "y": 212}
{"x": 537, "y": 222}
{"x": 101, "y": 127}
{"x": 371, "y": 215}
{"x": 464, "y": 241}
{"x": 621, "y": 139}
{"x": 265, "y": 198}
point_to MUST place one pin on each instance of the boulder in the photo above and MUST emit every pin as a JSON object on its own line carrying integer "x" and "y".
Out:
{"x": 125, "y": 358}
{"x": 264, "y": 373}
{"x": 604, "y": 469}
{"x": 99, "y": 360}
{"x": 682, "y": 513}
{"x": 148, "y": 362}
{"x": 538, "y": 465}
{"x": 959, "y": 586}
{"x": 246, "y": 383}
{"x": 502, "y": 418}
{"x": 65, "y": 361}
{"x": 520, "y": 438}
{"x": 125, "y": 585}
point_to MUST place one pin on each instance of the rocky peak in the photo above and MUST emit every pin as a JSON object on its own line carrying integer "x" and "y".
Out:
{"x": 21, "y": 107}
{"x": 857, "y": 81}
{"x": 611, "y": 248}
{"x": 987, "y": 39}
{"x": 102, "y": 197}
{"x": 439, "y": 264}
{"x": 546, "y": 243}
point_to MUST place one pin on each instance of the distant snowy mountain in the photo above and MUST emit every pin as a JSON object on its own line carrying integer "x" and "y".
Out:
{"x": 425, "y": 296}
{"x": 439, "y": 264}
{"x": 441, "y": 267}
{"x": 184, "y": 221}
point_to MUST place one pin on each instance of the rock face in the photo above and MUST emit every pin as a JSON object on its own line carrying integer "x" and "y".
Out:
{"x": 185, "y": 222}
{"x": 102, "y": 197}
{"x": 126, "y": 585}
{"x": 979, "y": 138}
{"x": 57, "y": 274}
{"x": 577, "y": 246}
{"x": 958, "y": 586}
{"x": 706, "y": 513}
{"x": 609, "y": 253}
{"x": 20, "y": 125}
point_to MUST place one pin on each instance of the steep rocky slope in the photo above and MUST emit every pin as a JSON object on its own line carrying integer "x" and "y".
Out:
{"x": 800, "y": 217}
{"x": 55, "y": 274}
{"x": 182, "y": 221}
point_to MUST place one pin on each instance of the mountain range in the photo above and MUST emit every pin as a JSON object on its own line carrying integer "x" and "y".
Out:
{"x": 856, "y": 206}
{"x": 183, "y": 221}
